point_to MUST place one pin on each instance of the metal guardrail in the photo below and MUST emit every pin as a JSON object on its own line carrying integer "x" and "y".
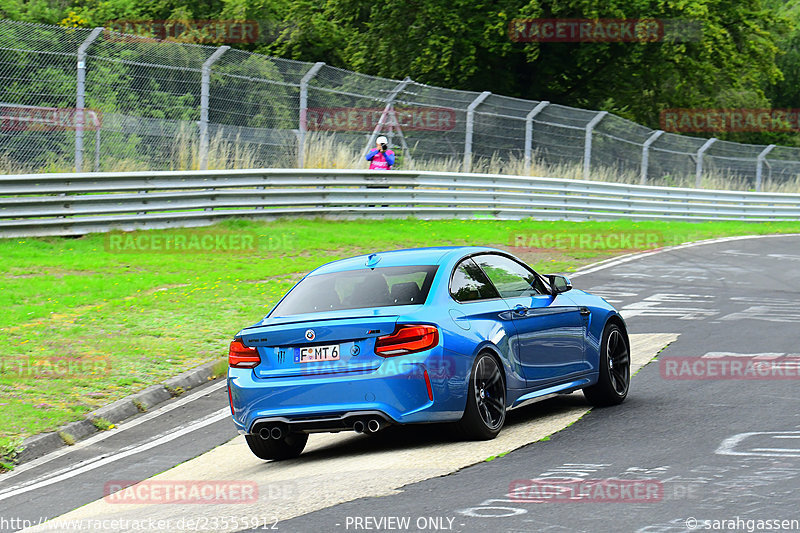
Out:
{"x": 75, "y": 204}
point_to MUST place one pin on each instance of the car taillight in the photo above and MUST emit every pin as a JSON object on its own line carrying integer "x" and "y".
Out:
{"x": 407, "y": 339}
{"x": 241, "y": 356}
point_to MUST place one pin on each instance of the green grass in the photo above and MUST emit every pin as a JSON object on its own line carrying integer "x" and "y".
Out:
{"x": 84, "y": 325}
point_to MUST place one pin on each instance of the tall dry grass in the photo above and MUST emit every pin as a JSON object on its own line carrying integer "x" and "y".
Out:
{"x": 222, "y": 154}
{"x": 326, "y": 150}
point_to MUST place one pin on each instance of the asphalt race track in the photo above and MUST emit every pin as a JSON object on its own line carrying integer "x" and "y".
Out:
{"x": 696, "y": 454}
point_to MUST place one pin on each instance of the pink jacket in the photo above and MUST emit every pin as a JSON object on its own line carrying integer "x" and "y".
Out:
{"x": 380, "y": 161}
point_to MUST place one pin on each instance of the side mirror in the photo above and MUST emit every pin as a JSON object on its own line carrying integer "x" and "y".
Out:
{"x": 559, "y": 284}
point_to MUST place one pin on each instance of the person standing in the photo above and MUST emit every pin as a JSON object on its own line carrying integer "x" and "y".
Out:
{"x": 381, "y": 158}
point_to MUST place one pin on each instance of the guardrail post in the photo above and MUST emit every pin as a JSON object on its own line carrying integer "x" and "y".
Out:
{"x": 587, "y": 143}
{"x": 205, "y": 93}
{"x": 699, "y": 168}
{"x": 470, "y": 123}
{"x": 389, "y": 103}
{"x": 80, "y": 97}
{"x": 760, "y": 164}
{"x": 303, "y": 118}
{"x": 646, "y": 154}
{"x": 529, "y": 132}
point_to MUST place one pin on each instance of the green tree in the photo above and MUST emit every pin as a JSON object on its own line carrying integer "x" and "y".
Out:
{"x": 465, "y": 44}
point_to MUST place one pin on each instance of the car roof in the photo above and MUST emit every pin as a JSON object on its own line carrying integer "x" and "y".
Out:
{"x": 413, "y": 256}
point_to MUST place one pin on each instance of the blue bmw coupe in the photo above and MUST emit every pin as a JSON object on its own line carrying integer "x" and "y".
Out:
{"x": 454, "y": 334}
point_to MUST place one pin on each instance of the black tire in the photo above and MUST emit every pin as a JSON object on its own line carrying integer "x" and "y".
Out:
{"x": 615, "y": 369}
{"x": 485, "y": 412}
{"x": 288, "y": 447}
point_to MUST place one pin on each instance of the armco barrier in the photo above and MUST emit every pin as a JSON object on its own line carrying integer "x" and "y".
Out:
{"x": 75, "y": 204}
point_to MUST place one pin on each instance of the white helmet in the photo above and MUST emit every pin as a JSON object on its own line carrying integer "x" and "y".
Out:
{"x": 382, "y": 140}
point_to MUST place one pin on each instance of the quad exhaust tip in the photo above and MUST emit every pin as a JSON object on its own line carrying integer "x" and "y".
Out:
{"x": 277, "y": 431}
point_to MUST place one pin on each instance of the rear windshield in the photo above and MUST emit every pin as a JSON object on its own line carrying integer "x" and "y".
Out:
{"x": 358, "y": 289}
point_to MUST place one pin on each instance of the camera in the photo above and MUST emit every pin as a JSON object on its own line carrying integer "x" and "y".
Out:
{"x": 384, "y": 147}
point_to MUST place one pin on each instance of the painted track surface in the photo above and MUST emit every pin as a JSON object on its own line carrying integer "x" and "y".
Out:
{"x": 733, "y": 296}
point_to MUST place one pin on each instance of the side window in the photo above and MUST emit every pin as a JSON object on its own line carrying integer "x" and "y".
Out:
{"x": 509, "y": 277}
{"x": 469, "y": 283}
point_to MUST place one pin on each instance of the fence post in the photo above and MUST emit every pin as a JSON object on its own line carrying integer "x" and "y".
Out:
{"x": 699, "y": 169}
{"x": 205, "y": 93}
{"x": 760, "y": 164}
{"x": 97, "y": 147}
{"x": 529, "y": 132}
{"x": 470, "y": 122}
{"x": 587, "y": 143}
{"x": 646, "y": 154}
{"x": 389, "y": 102}
{"x": 80, "y": 100}
{"x": 302, "y": 125}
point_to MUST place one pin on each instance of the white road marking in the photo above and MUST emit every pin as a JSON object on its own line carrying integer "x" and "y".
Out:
{"x": 767, "y": 309}
{"x": 99, "y": 461}
{"x": 652, "y": 306}
{"x": 785, "y": 256}
{"x": 763, "y": 356}
{"x": 790, "y": 257}
{"x": 735, "y": 445}
{"x": 671, "y": 297}
{"x": 774, "y": 361}
{"x": 780, "y": 302}
{"x": 612, "y": 296}
{"x": 188, "y": 397}
{"x": 767, "y": 313}
{"x": 739, "y": 252}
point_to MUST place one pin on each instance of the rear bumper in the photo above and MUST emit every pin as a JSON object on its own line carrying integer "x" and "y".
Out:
{"x": 397, "y": 390}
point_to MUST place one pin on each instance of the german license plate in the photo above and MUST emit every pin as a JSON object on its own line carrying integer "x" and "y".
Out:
{"x": 310, "y": 354}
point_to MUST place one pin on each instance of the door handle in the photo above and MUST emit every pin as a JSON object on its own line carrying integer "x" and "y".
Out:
{"x": 520, "y": 310}
{"x": 585, "y": 311}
